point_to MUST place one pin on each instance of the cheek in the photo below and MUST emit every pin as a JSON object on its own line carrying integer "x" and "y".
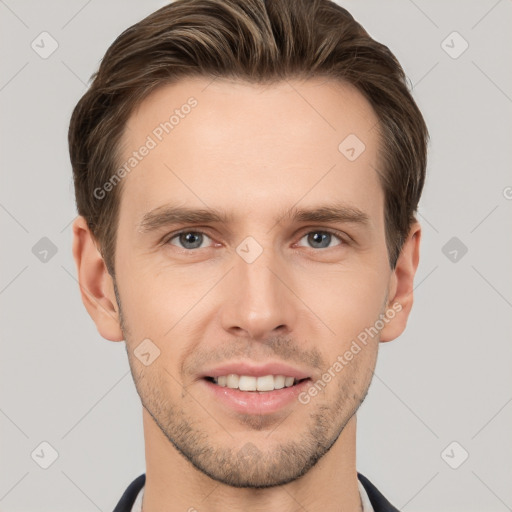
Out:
{"x": 155, "y": 300}
{"x": 347, "y": 301}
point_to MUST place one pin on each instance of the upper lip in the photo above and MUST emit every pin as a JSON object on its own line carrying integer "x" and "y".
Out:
{"x": 255, "y": 370}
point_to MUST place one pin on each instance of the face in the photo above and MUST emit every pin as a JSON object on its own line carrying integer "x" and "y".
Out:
{"x": 281, "y": 267}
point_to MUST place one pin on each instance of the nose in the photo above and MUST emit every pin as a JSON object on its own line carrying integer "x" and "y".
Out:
{"x": 259, "y": 302}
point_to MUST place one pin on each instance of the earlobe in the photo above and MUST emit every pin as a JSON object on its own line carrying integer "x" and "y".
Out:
{"x": 401, "y": 286}
{"x": 96, "y": 285}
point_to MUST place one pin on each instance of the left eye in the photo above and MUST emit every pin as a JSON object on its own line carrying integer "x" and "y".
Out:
{"x": 321, "y": 239}
{"x": 195, "y": 239}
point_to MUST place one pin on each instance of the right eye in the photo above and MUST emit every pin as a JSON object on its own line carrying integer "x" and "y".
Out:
{"x": 188, "y": 239}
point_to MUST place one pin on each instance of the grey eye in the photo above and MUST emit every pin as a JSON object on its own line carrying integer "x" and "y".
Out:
{"x": 189, "y": 239}
{"x": 320, "y": 239}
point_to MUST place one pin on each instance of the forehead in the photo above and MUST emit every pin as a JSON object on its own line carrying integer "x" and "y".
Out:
{"x": 252, "y": 147}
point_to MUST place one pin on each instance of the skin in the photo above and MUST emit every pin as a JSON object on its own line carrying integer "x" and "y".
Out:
{"x": 255, "y": 152}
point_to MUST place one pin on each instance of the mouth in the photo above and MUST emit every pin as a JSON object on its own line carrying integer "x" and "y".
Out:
{"x": 253, "y": 384}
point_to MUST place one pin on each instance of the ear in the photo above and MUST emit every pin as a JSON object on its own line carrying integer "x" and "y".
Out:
{"x": 96, "y": 284}
{"x": 401, "y": 286}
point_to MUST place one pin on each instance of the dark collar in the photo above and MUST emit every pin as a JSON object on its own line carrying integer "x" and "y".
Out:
{"x": 378, "y": 501}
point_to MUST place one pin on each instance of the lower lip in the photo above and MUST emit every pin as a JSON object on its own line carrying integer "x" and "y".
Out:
{"x": 256, "y": 402}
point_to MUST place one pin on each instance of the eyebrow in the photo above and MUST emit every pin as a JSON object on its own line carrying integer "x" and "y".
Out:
{"x": 168, "y": 215}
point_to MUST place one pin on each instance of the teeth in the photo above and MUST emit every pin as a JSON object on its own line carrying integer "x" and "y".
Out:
{"x": 232, "y": 381}
{"x": 288, "y": 381}
{"x": 249, "y": 383}
{"x": 279, "y": 381}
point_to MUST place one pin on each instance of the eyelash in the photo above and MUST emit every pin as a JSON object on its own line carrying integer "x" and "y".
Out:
{"x": 344, "y": 239}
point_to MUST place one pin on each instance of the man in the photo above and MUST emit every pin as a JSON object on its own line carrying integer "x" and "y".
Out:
{"x": 246, "y": 176}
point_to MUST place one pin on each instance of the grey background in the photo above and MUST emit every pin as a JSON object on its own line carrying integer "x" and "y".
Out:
{"x": 447, "y": 378}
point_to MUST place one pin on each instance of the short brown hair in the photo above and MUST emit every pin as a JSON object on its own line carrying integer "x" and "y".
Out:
{"x": 259, "y": 41}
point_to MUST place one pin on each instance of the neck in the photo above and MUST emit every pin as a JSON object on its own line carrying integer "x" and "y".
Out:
{"x": 174, "y": 484}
